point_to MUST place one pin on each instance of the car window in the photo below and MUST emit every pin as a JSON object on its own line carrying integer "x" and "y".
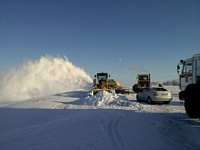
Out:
{"x": 146, "y": 90}
{"x": 159, "y": 89}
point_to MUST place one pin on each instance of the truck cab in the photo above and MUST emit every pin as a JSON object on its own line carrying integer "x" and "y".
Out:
{"x": 189, "y": 73}
{"x": 189, "y": 78}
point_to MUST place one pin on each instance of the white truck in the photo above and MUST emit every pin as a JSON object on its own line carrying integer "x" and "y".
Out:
{"x": 189, "y": 79}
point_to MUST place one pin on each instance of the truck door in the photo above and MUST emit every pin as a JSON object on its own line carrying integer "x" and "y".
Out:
{"x": 145, "y": 93}
{"x": 186, "y": 76}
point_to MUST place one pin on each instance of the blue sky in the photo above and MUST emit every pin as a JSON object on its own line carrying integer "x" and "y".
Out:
{"x": 149, "y": 36}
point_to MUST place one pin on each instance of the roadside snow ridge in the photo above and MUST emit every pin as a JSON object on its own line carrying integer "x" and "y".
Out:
{"x": 103, "y": 98}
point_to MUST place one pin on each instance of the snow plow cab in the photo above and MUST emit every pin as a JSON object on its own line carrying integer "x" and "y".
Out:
{"x": 143, "y": 80}
{"x": 100, "y": 83}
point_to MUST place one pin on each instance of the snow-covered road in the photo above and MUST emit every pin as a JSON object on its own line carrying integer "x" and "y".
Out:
{"x": 74, "y": 120}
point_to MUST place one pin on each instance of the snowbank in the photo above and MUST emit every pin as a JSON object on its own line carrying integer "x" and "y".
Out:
{"x": 104, "y": 98}
{"x": 45, "y": 76}
{"x": 74, "y": 120}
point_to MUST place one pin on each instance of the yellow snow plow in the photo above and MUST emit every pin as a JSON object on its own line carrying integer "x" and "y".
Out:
{"x": 143, "y": 80}
{"x": 101, "y": 83}
{"x": 113, "y": 83}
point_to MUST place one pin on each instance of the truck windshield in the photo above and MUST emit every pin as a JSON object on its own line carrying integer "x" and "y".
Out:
{"x": 102, "y": 76}
{"x": 143, "y": 78}
{"x": 187, "y": 68}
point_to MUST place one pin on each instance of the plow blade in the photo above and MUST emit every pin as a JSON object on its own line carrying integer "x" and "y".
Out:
{"x": 95, "y": 91}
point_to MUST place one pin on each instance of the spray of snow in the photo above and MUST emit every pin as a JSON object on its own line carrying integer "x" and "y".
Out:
{"x": 45, "y": 76}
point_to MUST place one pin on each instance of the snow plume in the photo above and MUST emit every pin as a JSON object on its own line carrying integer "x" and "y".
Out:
{"x": 138, "y": 68}
{"x": 45, "y": 76}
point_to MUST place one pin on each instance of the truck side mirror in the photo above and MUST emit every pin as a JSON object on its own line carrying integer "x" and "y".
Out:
{"x": 95, "y": 76}
{"x": 181, "y": 61}
{"x": 178, "y": 68}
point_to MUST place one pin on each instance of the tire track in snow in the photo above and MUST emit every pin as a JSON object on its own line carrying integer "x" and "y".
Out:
{"x": 114, "y": 135}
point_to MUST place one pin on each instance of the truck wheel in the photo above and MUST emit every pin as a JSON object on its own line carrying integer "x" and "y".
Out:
{"x": 167, "y": 102}
{"x": 182, "y": 95}
{"x": 192, "y": 101}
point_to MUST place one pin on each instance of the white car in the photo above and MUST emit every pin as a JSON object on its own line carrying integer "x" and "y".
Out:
{"x": 155, "y": 94}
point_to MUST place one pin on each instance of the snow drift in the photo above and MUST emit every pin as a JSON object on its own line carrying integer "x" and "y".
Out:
{"x": 104, "y": 98}
{"x": 45, "y": 76}
{"x": 75, "y": 120}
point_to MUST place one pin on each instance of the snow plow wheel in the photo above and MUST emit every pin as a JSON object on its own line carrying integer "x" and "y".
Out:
{"x": 192, "y": 101}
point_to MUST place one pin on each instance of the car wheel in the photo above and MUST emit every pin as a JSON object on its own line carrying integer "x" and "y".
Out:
{"x": 167, "y": 102}
{"x": 149, "y": 101}
{"x": 138, "y": 98}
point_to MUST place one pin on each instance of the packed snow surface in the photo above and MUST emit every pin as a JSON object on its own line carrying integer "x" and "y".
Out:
{"x": 45, "y": 105}
{"x": 75, "y": 120}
